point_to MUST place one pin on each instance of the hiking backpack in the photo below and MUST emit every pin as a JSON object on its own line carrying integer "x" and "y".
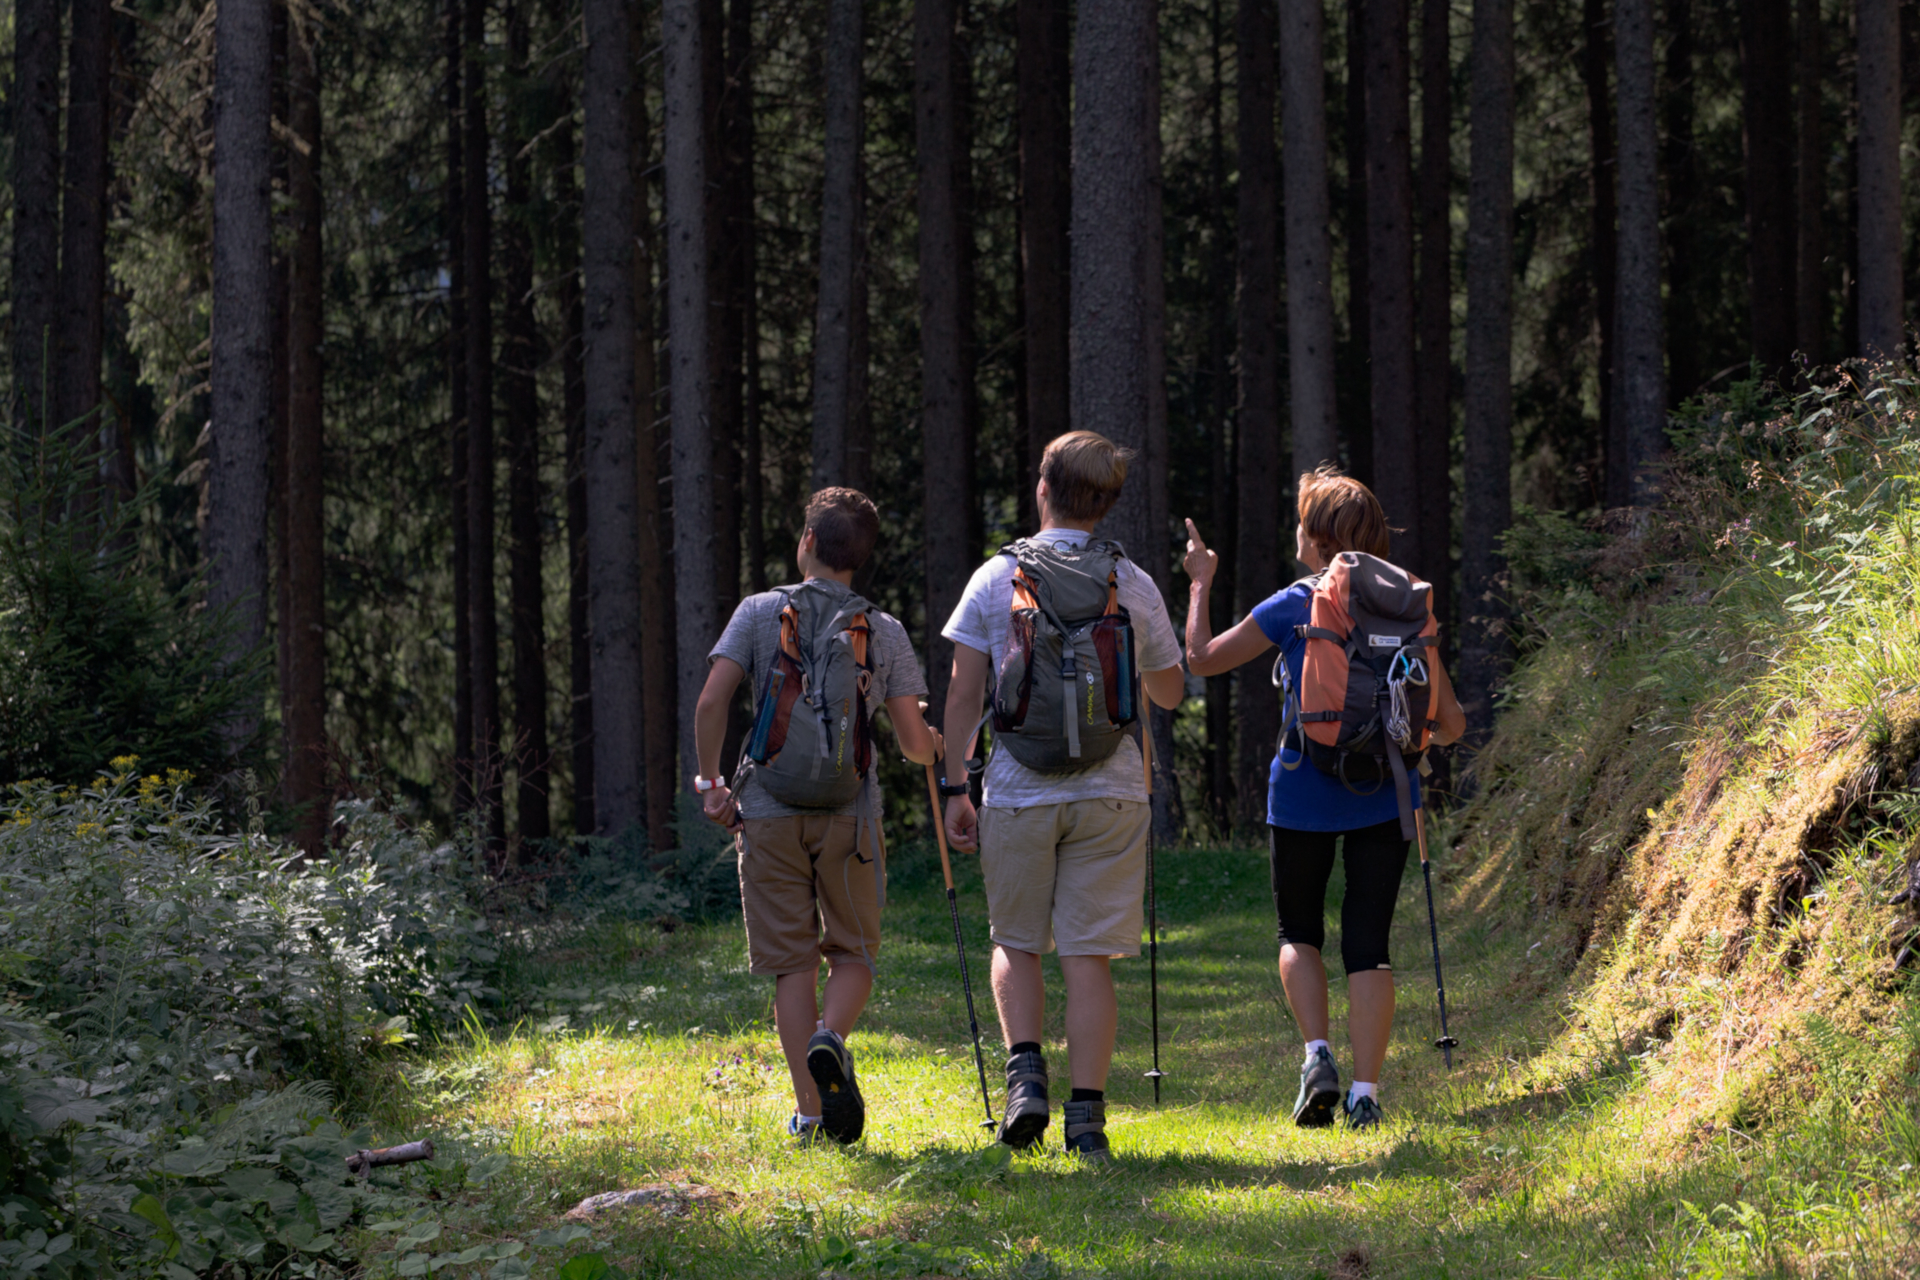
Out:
{"x": 1064, "y": 693}
{"x": 811, "y": 744}
{"x": 1365, "y": 708}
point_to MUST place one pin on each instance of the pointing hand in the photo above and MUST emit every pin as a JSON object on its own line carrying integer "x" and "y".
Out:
{"x": 1200, "y": 563}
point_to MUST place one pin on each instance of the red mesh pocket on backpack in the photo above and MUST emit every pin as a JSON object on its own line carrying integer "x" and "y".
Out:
{"x": 1016, "y": 670}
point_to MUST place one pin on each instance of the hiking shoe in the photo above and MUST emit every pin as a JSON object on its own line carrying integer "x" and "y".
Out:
{"x": 1086, "y": 1126}
{"x": 804, "y": 1132}
{"x": 1319, "y": 1092}
{"x": 1361, "y": 1113}
{"x": 1025, "y": 1116}
{"x": 843, "y": 1113}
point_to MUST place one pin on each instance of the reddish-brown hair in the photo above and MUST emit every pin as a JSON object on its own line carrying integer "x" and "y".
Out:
{"x": 1341, "y": 514}
{"x": 845, "y": 526}
{"x": 1084, "y": 472}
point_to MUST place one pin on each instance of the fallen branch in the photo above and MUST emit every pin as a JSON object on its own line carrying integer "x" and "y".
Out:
{"x": 363, "y": 1161}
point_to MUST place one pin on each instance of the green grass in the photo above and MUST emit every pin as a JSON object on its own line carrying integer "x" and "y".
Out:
{"x": 1496, "y": 1169}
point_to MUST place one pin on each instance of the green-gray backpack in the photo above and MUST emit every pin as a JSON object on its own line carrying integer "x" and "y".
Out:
{"x": 1064, "y": 694}
{"x": 811, "y": 745}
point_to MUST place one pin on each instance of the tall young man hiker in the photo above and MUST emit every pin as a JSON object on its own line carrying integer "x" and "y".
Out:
{"x": 1063, "y": 836}
{"x": 805, "y": 806}
{"x": 1309, "y": 810}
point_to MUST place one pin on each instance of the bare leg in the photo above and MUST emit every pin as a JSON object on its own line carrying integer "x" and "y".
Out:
{"x": 848, "y": 985}
{"x": 1369, "y": 1020}
{"x": 1304, "y": 976}
{"x": 1018, "y": 994}
{"x": 1093, "y": 1018}
{"x": 794, "y": 1013}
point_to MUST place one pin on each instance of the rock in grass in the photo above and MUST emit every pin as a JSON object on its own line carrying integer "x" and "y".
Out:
{"x": 670, "y": 1198}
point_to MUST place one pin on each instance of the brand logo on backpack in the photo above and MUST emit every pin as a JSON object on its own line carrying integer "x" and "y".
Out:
{"x": 799, "y": 744}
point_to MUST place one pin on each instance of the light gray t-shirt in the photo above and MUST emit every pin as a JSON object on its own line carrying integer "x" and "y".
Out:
{"x": 752, "y": 638}
{"x": 980, "y": 622}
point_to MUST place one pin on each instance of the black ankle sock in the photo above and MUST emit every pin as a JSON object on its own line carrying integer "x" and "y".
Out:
{"x": 1088, "y": 1095}
{"x": 1025, "y": 1046}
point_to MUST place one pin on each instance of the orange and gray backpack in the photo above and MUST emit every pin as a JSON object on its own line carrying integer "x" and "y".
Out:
{"x": 811, "y": 745}
{"x": 1365, "y": 709}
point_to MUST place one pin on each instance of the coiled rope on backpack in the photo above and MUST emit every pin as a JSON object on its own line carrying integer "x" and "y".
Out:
{"x": 1406, "y": 669}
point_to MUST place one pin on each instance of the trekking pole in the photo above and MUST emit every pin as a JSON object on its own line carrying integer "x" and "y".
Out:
{"x": 1446, "y": 1043}
{"x": 1153, "y": 904}
{"x": 959, "y": 945}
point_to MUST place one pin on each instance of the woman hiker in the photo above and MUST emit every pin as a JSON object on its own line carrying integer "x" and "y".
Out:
{"x": 1309, "y": 811}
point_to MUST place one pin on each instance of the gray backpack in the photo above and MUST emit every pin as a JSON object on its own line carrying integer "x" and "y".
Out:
{"x": 1064, "y": 693}
{"x": 811, "y": 744}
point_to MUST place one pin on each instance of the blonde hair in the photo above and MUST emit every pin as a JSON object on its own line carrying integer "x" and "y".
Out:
{"x": 1341, "y": 514}
{"x": 1084, "y": 472}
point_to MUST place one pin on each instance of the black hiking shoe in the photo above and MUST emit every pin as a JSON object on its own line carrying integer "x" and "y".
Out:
{"x": 1025, "y": 1116}
{"x": 843, "y": 1114}
{"x": 1319, "y": 1092}
{"x": 1360, "y": 1113}
{"x": 1086, "y": 1126}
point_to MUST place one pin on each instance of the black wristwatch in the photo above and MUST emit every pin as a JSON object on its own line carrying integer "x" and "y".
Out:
{"x": 948, "y": 790}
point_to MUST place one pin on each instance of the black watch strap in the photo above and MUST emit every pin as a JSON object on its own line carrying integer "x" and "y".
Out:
{"x": 948, "y": 790}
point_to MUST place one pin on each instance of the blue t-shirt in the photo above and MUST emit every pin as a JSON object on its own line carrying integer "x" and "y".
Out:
{"x": 1302, "y": 798}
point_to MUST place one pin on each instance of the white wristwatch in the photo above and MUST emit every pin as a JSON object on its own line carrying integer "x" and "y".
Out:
{"x": 707, "y": 784}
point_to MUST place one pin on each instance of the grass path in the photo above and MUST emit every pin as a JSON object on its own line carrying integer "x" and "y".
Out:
{"x": 655, "y": 1060}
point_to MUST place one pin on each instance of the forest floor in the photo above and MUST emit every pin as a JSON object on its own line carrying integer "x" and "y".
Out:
{"x": 656, "y": 1062}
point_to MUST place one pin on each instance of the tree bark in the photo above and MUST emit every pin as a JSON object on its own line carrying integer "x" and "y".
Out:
{"x": 1489, "y": 372}
{"x": 1683, "y": 347}
{"x": 573, "y": 410}
{"x": 35, "y": 102}
{"x": 489, "y": 751}
{"x": 696, "y": 558}
{"x": 1309, "y": 287}
{"x": 1390, "y": 272}
{"x": 520, "y": 356}
{"x": 463, "y": 753}
{"x": 728, "y": 51}
{"x": 839, "y": 387}
{"x": 305, "y": 620}
{"x": 1766, "y": 65}
{"x": 1641, "y": 392}
{"x": 83, "y": 248}
{"x": 1169, "y": 806}
{"x": 1882, "y": 305}
{"x": 1596, "y": 59}
{"x": 749, "y": 505}
{"x": 1044, "y": 73}
{"x": 1810, "y": 294}
{"x": 1220, "y": 427}
{"x": 234, "y": 540}
{"x": 608, "y": 373}
{"x": 1259, "y": 469}
{"x": 1433, "y": 451}
{"x": 1356, "y": 414}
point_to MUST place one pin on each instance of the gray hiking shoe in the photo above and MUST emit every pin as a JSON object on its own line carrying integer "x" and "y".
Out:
{"x": 1319, "y": 1092}
{"x": 843, "y": 1113}
{"x": 803, "y": 1132}
{"x": 1025, "y": 1116}
{"x": 1086, "y": 1126}
{"x": 1360, "y": 1113}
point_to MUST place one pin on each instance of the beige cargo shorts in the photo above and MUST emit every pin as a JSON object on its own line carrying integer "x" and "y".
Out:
{"x": 1069, "y": 875}
{"x": 806, "y": 894}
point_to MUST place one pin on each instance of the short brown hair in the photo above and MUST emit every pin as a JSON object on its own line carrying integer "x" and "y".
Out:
{"x": 845, "y": 526}
{"x": 1084, "y": 472}
{"x": 1341, "y": 514}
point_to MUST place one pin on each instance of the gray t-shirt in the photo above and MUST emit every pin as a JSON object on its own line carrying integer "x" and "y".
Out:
{"x": 980, "y": 622}
{"x": 752, "y": 638}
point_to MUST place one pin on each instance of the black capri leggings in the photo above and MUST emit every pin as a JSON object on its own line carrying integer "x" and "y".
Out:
{"x": 1376, "y": 857}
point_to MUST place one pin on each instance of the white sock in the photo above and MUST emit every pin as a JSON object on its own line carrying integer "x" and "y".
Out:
{"x": 1314, "y": 1046}
{"x": 807, "y": 1120}
{"x": 1361, "y": 1089}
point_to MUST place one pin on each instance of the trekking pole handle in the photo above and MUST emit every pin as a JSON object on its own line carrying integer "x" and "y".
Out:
{"x": 939, "y": 827}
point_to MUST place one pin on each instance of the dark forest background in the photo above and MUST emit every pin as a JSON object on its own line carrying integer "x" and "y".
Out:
{"x": 423, "y": 384}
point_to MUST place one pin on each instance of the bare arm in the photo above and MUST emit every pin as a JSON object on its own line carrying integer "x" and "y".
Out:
{"x": 919, "y": 741}
{"x": 1165, "y": 687}
{"x": 1453, "y": 721}
{"x": 966, "y": 694}
{"x": 710, "y": 732}
{"x": 1243, "y": 642}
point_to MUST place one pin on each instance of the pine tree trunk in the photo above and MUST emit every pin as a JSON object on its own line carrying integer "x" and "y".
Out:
{"x": 1810, "y": 293}
{"x": 1220, "y": 429}
{"x": 729, "y": 88}
{"x": 1766, "y": 65}
{"x": 34, "y": 99}
{"x": 1489, "y": 372}
{"x": 234, "y": 539}
{"x": 305, "y": 620}
{"x": 1390, "y": 272}
{"x": 1882, "y": 305}
{"x": 1433, "y": 449}
{"x": 1309, "y": 245}
{"x": 83, "y": 249}
{"x": 1641, "y": 392}
{"x": 1169, "y": 806}
{"x": 1596, "y": 62}
{"x": 455, "y": 213}
{"x": 696, "y": 559}
{"x": 278, "y": 531}
{"x": 839, "y": 389}
{"x": 520, "y": 356}
{"x": 1260, "y": 476}
{"x": 749, "y": 508}
{"x": 1682, "y": 182}
{"x": 613, "y": 606}
{"x": 490, "y": 751}
{"x": 1356, "y": 410}
{"x": 573, "y": 411}
{"x": 1044, "y": 73}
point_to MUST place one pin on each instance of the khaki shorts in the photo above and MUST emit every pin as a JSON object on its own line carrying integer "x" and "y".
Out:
{"x": 1070, "y": 874}
{"x": 800, "y": 877}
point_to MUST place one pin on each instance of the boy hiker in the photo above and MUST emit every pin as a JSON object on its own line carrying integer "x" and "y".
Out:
{"x": 1055, "y": 627}
{"x": 805, "y": 805}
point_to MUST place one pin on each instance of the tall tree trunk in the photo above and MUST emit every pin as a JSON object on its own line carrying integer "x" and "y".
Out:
{"x": 750, "y": 507}
{"x": 1596, "y": 61}
{"x": 1435, "y": 375}
{"x": 1260, "y": 475}
{"x": 729, "y": 56}
{"x": 489, "y": 750}
{"x": 1169, "y": 806}
{"x": 696, "y": 559}
{"x": 1810, "y": 294}
{"x": 35, "y": 102}
{"x": 83, "y": 249}
{"x": 839, "y": 388}
{"x": 519, "y": 398}
{"x": 1357, "y": 413}
{"x": 1683, "y": 343}
{"x": 1882, "y": 305}
{"x": 619, "y": 798}
{"x": 1641, "y": 393}
{"x": 1766, "y": 65}
{"x": 1044, "y": 74}
{"x": 234, "y": 540}
{"x": 305, "y": 620}
{"x": 279, "y": 533}
{"x": 1489, "y": 373}
{"x": 1310, "y": 331}
{"x": 947, "y": 431}
{"x": 1221, "y": 429}
{"x": 456, "y": 204}
{"x": 573, "y": 409}
{"x": 1390, "y": 271}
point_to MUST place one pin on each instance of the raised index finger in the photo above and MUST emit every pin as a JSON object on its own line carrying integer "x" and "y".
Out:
{"x": 1193, "y": 536}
